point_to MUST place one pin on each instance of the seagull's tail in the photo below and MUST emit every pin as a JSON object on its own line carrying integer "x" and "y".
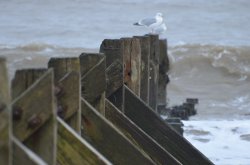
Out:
{"x": 137, "y": 24}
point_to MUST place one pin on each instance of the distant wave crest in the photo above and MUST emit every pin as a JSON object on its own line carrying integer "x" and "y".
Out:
{"x": 189, "y": 57}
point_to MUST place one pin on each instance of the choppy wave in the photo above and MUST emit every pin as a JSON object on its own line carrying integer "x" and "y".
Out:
{"x": 217, "y": 75}
{"x": 233, "y": 60}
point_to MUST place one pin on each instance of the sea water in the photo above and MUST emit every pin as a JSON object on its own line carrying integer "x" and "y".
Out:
{"x": 209, "y": 51}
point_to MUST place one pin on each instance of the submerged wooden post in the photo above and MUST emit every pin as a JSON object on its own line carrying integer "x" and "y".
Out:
{"x": 109, "y": 140}
{"x": 113, "y": 50}
{"x": 153, "y": 70}
{"x": 67, "y": 90}
{"x": 145, "y": 53}
{"x": 93, "y": 79}
{"x": 34, "y": 114}
{"x": 163, "y": 77}
{"x": 5, "y": 148}
{"x": 172, "y": 142}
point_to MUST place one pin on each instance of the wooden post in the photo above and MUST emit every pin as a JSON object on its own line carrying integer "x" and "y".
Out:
{"x": 145, "y": 53}
{"x": 132, "y": 63}
{"x": 74, "y": 150}
{"x": 113, "y": 50}
{"x": 109, "y": 140}
{"x": 137, "y": 136}
{"x": 24, "y": 79}
{"x": 5, "y": 149}
{"x": 114, "y": 75}
{"x": 153, "y": 70}
{"x": 34, "y": 116}
{"x": 68, "y": 88}
{"x": 172, "y": 142}
{"x": 93, "y": 79}
{"x": 163, "y": 77}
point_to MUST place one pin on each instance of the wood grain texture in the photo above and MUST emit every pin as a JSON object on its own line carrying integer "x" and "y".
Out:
{"x": 145, "y": 53}
{"x": 73, "y": 150}
{"x": 132, "y": 63}
{"x": 23, "y": 79}
{"x": 153, "y": 70}
{"x": 109, "y": 140}
{"x": 23, "y": 155}
{"x": 36, "y": 125}
{"x": 69, "y": 100}
{"x": 93, "y": 82}
{"x": 113, "y": 50}
{"x": 114, "y": 75}
{"x": 169, "y": 139}
{"x": 67, "y": 79}
{"x": 138, "y": 137}
{"x": 5, "y": 122}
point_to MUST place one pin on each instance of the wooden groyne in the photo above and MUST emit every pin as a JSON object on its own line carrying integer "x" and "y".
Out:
{"x": 98, "y": 108}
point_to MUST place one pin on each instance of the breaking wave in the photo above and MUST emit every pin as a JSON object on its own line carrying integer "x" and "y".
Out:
{"x": 228, "y": 59}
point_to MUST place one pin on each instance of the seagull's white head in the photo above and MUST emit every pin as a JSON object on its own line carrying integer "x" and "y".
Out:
{"x": 159, "y": 15}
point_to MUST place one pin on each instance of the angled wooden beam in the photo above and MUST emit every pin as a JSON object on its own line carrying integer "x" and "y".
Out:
{"x": 34, "y": 116}
{"x": 113, "y": 50}
{"x": 23, "y": 155}
{"x": 145, "y": 53}
{"x": 63, "y": 66}
{"x": 114, "y": 75}
{"x": 137, "y": 136}
{"x": 109, "y": 140}
{"x": 5, "y": 122}
{"x": 73, "y": 149}
{"x": 68, "y": 89}
{"x": 170, "y": 140}
{"x": 93, "y": 79}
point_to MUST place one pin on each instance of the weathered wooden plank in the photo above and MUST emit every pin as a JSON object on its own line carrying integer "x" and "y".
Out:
{"x": 23, "y": 155}
{"x": 74, "y": 150}
{"x": 63, "y": 66}
{"x": 5, "y": 149}
{"x": 88, "y": 61}
{"x": 163, "y": 77}
{"x": 145, "y": 53}
{"x": 18, "y": 85}
{"x": 34, "y": 117}
{"x": 114, "y": 75}
{"x": 153, "y": 70}
{"x": 113, "y": 49}
{"x": 68, "y": 85}
{"x": 117, "y": 98}
{"x": 93, "y": 82}
{"x": 109, "y": 140}
{"x": 132, "y": 63}
{"x": 137, "y": 136}
{"x": 154, "y": 126}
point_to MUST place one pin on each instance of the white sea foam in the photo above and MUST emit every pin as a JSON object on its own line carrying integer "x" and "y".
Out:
{"x": 221, "y": 140}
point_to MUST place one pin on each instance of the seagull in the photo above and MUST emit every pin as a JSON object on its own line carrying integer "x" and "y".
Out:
{"x": 160, "y": 29}
{"x": 151, "y": 22}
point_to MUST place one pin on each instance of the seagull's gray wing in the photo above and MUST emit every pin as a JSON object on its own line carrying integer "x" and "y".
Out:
{"x": 147, "y": 21}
